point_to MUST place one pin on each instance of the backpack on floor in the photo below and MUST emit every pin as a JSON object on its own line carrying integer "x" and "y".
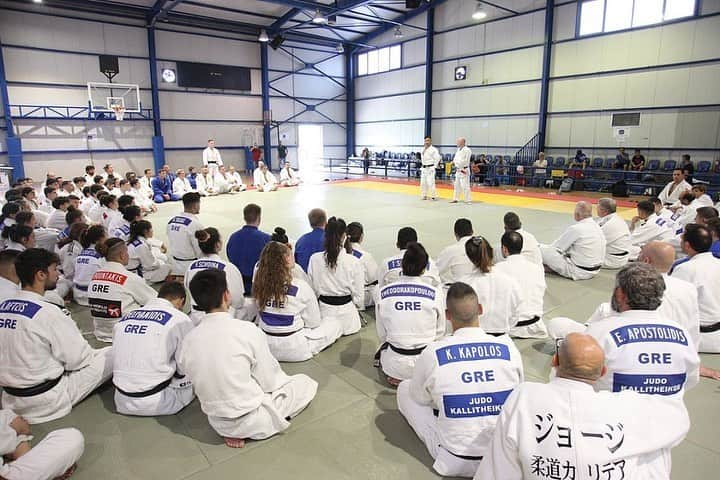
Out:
{"x": 620, "y": 189}
{"x": 567, "y": 184}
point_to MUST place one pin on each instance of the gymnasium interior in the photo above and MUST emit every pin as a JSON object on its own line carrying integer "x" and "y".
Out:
{"x": 328, "y": 79}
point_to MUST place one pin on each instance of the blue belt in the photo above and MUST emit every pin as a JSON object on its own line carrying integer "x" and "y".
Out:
{"x": 82, "y": 288}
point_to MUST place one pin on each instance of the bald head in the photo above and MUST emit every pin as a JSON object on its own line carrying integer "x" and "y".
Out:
{"x": 580, "y": 358}
{"x": 660, "y": 255}
{"x": 461, "y": 142}
{"x": 583, "y": 210}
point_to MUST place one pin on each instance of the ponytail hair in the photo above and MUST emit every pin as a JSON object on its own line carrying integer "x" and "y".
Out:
{"x": 106, "y": 200}
{"x": 208, "y": 240}
{"x": 139, "y": 229}
{"x": 76, "y": 231}
{"x": 109, "y": 247}
{"x": 131, "y": 212}
{"x": 334, "y": 231}
{"x": 92, "y": 235}
{"x": 415, "y": 260}
{"x": 480, "y": 253}
{"x": 355, "y": 232}
{"x": 279, "y": 235}
{"x": 9, "y": 210}
{"x": 17, "y": 233}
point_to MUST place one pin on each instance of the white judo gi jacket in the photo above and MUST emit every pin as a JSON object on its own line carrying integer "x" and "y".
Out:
{"x": 501, "y": 298}
{"x": 38, "y": 342}
{"x": 346, "y": 280}
{"x": 567, "y": 430}
{"x": 235, "y": 284}
{"x": 182, "y": 243}
{"x": 652, "y": 228}
{"x": 530, "y": 277}
{"x": 409, "y": 315}
{"x": 87, "y": 263}
{"x": 617, "y": 240}
{"x": 370, "y": 269}
{"x": 671, "y": 198}
{"x": 453, "y": 263}
{"x": 113, "y": 292}
{"x": 466, "y": 377}
{"x": 390, "y": 270}
{"x": 647, "y": 353}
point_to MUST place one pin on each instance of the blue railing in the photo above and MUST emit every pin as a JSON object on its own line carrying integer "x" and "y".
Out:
{"x": 68, "y": 112}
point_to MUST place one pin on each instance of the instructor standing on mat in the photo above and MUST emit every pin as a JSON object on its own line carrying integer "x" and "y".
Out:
{"x": 212, "y": 158}
{"x": 430, "y": 160}
{"x": 461, "y": 161}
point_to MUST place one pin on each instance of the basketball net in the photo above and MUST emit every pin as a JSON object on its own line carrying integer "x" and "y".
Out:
{"x": 119, "y": 112}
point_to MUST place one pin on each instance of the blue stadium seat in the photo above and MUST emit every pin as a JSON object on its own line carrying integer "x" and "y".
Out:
{"x": 507, "y": 159}
{"x": 703, "y": 167}
{"x": 653, "y": 165}
{"x": 609, "y": 162}
{"x": 597, "y": 162}
{"x": 550, "y": 160}
{"x": 560, "y": 162}
{"x": 669, "y": 165}
{"x": 472, "y": 157}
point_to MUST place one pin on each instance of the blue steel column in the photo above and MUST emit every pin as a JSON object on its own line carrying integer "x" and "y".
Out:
{"x": 429, "y": 43}
{"x": 14, "y": 147}
{"x": 158, "y": 143}
{"x": 545, "y": 81}
{"x": 349, "y": 102}
{"x": 265, "y": 80}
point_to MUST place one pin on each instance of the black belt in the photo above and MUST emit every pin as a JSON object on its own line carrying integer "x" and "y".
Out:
{"x": 82, "y": 288}
{"x": 525, "y": 323}
{"x": 212, "y": 161}
{"x": 46, "y": 386}
{"x": 497, "y": 334}
{"x": 590, "y": 269}
{"x": 280, "y": 334}
{"x": 621, "y": 254}
{"x": 336, "y": 301}
{"x": 710, "y": 328}
{"x": 426, "y": 166}
{"x": 407, "y": 351}
{"x": 156, "y": 389}
{"x": 371, "y": 284}
{"x": 184, "y": 259}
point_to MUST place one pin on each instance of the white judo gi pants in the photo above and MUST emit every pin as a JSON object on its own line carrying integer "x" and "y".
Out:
{"x": 157, "y": 275}
{"x": 534, "y": 330}
{"x": 273, "y": 414}
{"x": 268, "y": 187}
{"x": 709, "y": 342}
{"x": 427, "y": 182}
{"x": 346, "y": 316}
{"x": 563, "y": 265}
{"x": 49, "y": 459}
{"x": 462, "y": 187}
{"x": 303, "y": 345}
{"x": 560, "y": 327}
{"x": 72, "y": 389}
{"x": 169, "y": 401}
{"x": 422, "y": 420}
{"x": 397, "y": 365}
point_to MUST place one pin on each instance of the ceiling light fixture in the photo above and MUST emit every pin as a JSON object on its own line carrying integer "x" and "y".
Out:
{"x": 319, "y": 18}
{"x": 398, "y": 32}
{"x": 479, "y": 12}
{"x": 37, "y": 1}
{"x": 263, "y": 37}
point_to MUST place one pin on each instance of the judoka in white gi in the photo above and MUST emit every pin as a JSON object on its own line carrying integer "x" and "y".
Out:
{"x": 702, "y": 269}
{"x": 617, "y": 234}
{"x": 355, "y": 237}
{"x": 210, "y": 245}
{"x": 461, "y": 162}
{"x": 288, "y": 176}
{"x": 131, "y": 214}
{"x": 46, "y": 365}
{"x": 226, "y": 183}
{"x": 240, "y": 385}
{"x": 146, "y": 261}
{"x": 453, "y": 263}
{"x": 146, "y": 344}
{"x": 53, "y": 457}
{"x": 211, "y": 157}
{"x": 579, "y": 252}
{"x": 338, "y": 279}
{"x": 9, "y": 281}
{"x": 114, "y": 291}
{"x": 568, "y": 427}
{"x": 263, "y": 179}
{"x": 670, "y": 195}
{"x": 288, "y": 310}
{"x": 236, "y": 180}
{"x": 181, "y": 184}
{"x": 181, "y": 234}
{"x": 429, "y": 162}
{"x": 647, "y": 226}
{"x": 531, "y": 278}
{"x": 459, "y": 386}
{"x": 206, "y": 183}
{"x": 531, "y": 247}
{"x": 493, "y": 288}
{"x": 87, "y": 262}
{"x": 409, "y": 315}
{"x": 390, "y": 269}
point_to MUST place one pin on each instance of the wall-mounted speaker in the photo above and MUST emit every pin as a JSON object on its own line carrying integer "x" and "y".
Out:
{"x": 276, "y": 42}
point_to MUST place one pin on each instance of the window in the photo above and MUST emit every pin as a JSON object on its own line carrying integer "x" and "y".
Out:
{"x": 379, "y": 60}
{"x": 598, "y": 16}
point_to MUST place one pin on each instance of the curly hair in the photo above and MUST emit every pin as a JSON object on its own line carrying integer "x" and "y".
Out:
{"x": 273, "y": 275}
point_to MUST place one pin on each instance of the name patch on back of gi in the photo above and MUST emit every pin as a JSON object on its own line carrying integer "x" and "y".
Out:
{"x": 101, "y": 308}
{"x": 649, "y": 384}
{"x": 357, "y": 254}
{"x": 89, "y": 252}
{"x": 204, "y": 264}
{"x": 468, "y": 352}
{"x": 157, "y": 316}
{"x": 408, "y": 290}
{"x": 395, "y": 264}
{"x": 112, "y": 277}
{"x": 277, "y": 319}
{"x": 292, "y": 291}
{"x": 181, "y": 220}
{"x": 648, "y": 333}
{"x": 474, "y": 404}
{"x": 19, "y": 307}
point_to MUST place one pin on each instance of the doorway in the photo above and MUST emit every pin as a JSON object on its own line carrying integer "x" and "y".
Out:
{"x": 310, "y": 151}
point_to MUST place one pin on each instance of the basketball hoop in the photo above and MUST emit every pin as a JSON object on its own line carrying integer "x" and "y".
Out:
{"x": 119, "y": 112}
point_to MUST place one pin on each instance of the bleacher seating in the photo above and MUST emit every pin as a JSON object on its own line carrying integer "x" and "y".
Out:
{"x": 703, "y": 167}
{"x": 669, "y": 165}
{"x": 609, "y": 162}
{"x": 597, "y": 162}
{"x": 653, "y": 165}
{"x": 559, "y": 162}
